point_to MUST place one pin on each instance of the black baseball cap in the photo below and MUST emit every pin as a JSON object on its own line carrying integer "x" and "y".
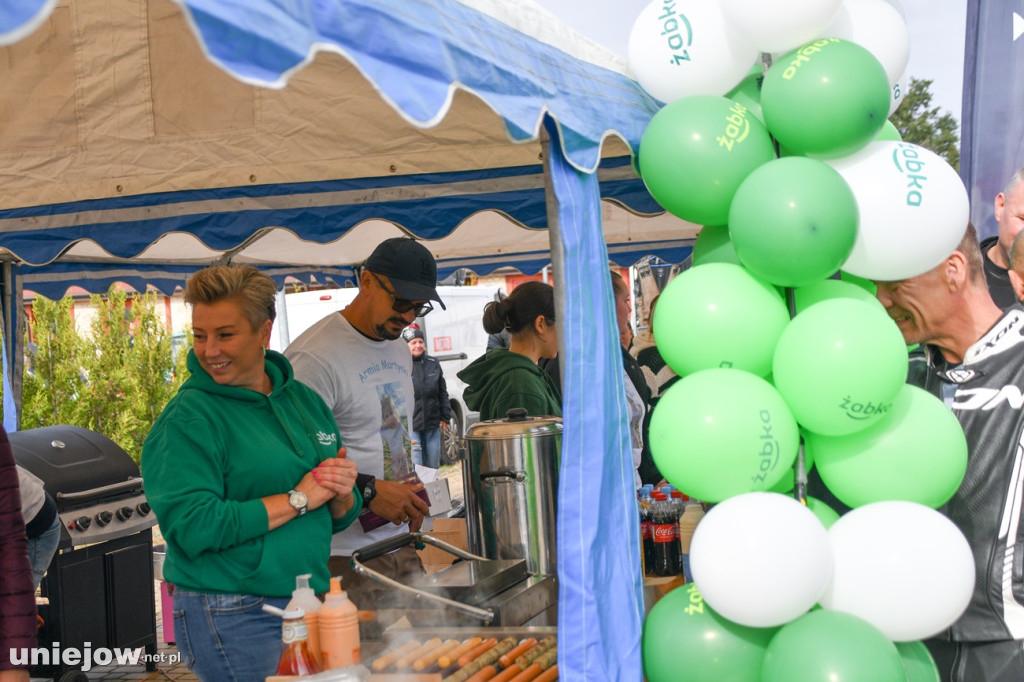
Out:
{"x": 409, "y": 267}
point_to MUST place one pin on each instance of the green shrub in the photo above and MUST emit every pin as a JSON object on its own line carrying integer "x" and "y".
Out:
{"x": 115, "y": 381}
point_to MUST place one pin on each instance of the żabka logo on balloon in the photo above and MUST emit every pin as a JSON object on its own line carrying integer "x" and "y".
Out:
{"x": 675, "y": 40}
{"x": 738, "y": 128}
{"x": 912, "y": 168}
{"x": 803, "y": 55}
{"x": 769, "y": 455}
{"x": 861, "y": 411}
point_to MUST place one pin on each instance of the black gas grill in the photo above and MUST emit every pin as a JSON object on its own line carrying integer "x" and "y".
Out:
{"x": 99, "y": 586}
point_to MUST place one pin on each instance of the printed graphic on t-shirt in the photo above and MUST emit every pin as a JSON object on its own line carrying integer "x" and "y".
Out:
{"x": 394, "y": 431}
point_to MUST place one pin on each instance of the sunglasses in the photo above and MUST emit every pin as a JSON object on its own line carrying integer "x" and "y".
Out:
{"x": 403, "y": 305}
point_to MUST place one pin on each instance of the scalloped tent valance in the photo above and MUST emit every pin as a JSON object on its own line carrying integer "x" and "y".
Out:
{"x": 424, "y": 115}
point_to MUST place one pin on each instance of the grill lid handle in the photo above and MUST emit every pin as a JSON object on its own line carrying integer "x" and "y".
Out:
{"x": 124, "y": 486}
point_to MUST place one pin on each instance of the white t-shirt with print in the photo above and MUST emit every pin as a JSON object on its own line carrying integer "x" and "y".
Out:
{"x": 368, "y": 386}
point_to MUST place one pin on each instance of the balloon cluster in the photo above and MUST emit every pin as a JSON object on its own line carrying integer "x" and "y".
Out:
{"x": 774, "y": 136}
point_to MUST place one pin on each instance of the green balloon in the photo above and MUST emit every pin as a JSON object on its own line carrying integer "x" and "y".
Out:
{"x": 840, "y": 364}
{"x": 826, "y": 289}
{"x": 696, "y": 151}
{"x": 719, "y": 315}
{"x": 826, "y": 514}
{"x": 793, "y": 221}
{"x": 825, "y": 646}
{"x": 827, "y": 98}
{"x": 918, "y": 663}
{"x": 888, "y": 132}
{"x": 682, "y": 630}
{"x": 865, "y": 284}
{"x": 748, "y": 92}
{"x": 916, "y": 452}
{"x": 722, "y": 432}
{"x": 713, "y": 246}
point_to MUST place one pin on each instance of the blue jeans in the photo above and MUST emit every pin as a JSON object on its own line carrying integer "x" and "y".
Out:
{"x": 427, "y": 451}
{"x": 227, "y": 637}
{"x": 41, "y": 550}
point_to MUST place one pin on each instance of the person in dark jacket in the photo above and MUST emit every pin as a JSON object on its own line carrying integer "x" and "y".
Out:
{"x": 638, "y": 393}
{"x": 1009, "y": 215}
{"x": 433, "y": 410}
{"x": 502, "y": 379}
{"x": 17, "y": 599}
{"x": 975, "y": 363}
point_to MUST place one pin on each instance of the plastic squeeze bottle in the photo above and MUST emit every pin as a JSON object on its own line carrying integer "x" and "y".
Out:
{"x": 297, "y": 658}
{"x": 339, "y": 629}
{"x": 303, "y": 597}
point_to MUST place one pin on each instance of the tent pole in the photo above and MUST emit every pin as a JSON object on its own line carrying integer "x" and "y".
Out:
{"x": 13, "y": 323}
{"x": 557, "y": 252}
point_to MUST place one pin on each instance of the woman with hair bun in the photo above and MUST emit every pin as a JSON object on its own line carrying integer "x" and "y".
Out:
{"x": 502, "y": 379}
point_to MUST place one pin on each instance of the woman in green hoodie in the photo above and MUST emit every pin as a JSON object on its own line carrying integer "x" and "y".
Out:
{"x": 503, "y": 379}
{"x": 245, "y": 471}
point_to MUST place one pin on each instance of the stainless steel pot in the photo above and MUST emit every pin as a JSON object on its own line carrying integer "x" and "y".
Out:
{"x": 511, "y": 482}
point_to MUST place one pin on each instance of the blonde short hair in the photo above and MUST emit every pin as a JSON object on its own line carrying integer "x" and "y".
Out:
{"x": 251, "y": 288}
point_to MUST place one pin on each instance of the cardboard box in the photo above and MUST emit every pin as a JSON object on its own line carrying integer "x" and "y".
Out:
{"x": 452, "y": 531}
{"x": 438, "y": 497}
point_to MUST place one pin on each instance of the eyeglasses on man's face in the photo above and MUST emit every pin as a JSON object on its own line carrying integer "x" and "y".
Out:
{"x": 403, "y": 305}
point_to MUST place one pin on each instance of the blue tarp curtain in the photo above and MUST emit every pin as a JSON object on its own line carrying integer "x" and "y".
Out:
{"x": 600, "y": 604}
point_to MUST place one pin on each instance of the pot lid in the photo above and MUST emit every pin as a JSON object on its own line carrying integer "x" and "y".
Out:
{"x": 516, "y": 424}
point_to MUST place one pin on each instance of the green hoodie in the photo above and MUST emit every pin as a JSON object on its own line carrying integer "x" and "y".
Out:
{"x": 212, "y": 454}
{"x": 500, "y": 380}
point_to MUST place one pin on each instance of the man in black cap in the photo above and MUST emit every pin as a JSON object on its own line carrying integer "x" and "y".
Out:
{"x": 352, "y": 359}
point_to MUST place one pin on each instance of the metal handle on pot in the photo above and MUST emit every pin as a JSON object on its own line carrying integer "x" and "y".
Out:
{"x": 391, "y": 544}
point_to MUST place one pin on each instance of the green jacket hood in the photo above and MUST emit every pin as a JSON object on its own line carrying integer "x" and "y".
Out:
{"x": 276, "y": 366}
{"x": 501, "y": 379}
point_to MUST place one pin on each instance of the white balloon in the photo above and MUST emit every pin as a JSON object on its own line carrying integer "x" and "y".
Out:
{"x": 901, "y": 566}
{"x": 685, "y": 47}
{"x": 877, "y": 26}
{"x": 760, "y": 559}
{"x": 913, "y": 210}
{"x": 899, "y": 8}
{"x": 780, "y": 25}
{"x": 899, "y": 91}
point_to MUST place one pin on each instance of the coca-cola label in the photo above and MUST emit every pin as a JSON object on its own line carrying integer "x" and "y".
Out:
{"x": 664, "y": 532}
{"x": 646, "y": 530}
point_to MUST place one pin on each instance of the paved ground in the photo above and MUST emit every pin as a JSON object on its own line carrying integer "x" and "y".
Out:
{"x": 172, "y": 668}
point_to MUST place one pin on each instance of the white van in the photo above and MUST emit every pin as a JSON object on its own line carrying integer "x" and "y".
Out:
{"x": 454, "y": 336}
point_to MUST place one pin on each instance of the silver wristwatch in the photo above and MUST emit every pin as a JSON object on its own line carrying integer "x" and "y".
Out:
{"x": 298, "y": 501}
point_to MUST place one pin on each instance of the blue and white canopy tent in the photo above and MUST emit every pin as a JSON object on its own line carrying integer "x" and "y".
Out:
{"x": 484, "y": 127}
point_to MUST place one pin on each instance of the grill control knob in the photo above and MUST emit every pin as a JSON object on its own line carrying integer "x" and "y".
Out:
{"x": 143, "y": 508}
{"x": 103, "y": 518}
{"x": 82, "y": 523}
{"x": 125, "y": 513}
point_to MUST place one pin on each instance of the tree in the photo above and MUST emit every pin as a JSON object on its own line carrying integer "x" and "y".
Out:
{"x": 922, "y": 124}
{"x": 54, "y": 382}
{"x": 115, "y": 382}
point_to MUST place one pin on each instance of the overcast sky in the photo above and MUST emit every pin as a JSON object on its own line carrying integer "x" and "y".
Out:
{"x": 936, "y": 37}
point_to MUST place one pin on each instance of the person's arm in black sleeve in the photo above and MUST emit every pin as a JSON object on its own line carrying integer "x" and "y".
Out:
{"x": 444, "y": 404}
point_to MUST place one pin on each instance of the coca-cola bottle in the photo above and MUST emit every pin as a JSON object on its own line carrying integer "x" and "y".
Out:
{"x": 646, "y": 530}
{"x": 667, "y": 556}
